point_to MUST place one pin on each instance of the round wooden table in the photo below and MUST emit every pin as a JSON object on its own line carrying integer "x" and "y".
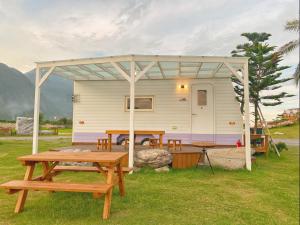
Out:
{"x": 205, "y": 146}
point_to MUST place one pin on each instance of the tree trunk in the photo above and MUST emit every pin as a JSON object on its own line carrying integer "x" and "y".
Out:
{"x": 255, "y": 117}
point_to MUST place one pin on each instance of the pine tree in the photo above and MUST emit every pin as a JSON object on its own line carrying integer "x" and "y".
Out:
{"x": 293, "y": 26}
{"x": 264, "y": 72}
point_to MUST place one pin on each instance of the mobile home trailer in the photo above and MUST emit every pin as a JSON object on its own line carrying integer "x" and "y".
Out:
{"x": 190, "y": 110}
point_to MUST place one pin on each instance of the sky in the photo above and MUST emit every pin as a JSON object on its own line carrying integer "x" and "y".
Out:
{"x": 40, "y": 30}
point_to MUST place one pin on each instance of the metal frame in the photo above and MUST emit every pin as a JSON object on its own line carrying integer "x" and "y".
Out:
{"x": 133, "y": 75}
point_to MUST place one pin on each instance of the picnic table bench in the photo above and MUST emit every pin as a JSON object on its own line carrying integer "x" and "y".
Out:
{"x": 106, "y": 163}
{"x": 138, "y": 132}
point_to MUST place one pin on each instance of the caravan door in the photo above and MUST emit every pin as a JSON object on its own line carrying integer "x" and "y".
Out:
{"x": 202, "y": 112}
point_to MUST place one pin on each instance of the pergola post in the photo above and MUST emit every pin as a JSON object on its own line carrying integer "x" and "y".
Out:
{"x": 247, "y": 118}
{"x": 37, "y": 93}
{"x": 131, "y": 116}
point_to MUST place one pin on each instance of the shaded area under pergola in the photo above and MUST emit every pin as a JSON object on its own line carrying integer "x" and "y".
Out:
{"x": 132, "y": 68}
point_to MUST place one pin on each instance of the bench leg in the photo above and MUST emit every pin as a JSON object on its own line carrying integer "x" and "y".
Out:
{"x": 46, "y": 172}
{"x": 23, "y": 193}
{"x": 46, "y": 169}
{"x": 121, "y": 180}
{"x": 108, "y": 195}
{"x": 161, "y": 141}
{"x": 109, "y": 142}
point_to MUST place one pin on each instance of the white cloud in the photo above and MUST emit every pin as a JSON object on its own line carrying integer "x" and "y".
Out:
{"x": 47, "y": 30}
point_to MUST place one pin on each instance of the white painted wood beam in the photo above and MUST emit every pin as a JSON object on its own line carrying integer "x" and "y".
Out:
{"x": 37, "y": 93}
{"x": 247, "y": 118}
{"x": 144, "y": 71}
{"x": 163, "y": 58}
{"x": 121, "y": 71}
{"x": 141, "y": 68}
{"x": 234, "y": 72}
{"x": 131, "y": 114}
{"x": 161, "y": 70}
{"x": 46, "y": 75}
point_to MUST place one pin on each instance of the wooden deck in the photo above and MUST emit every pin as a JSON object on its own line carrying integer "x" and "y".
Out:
{"x": 186, "y": 158}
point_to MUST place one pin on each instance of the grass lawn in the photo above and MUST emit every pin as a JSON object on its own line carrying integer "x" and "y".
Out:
{"x": 65, "y": 131}
{"x": 267, "y": 195}
{"x": 289, "y": 132}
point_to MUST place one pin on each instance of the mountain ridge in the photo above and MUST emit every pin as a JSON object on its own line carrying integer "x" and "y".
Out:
{"x": 17, "y": 94}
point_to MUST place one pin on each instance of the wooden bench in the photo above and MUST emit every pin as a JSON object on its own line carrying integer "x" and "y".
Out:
{"x": 14, "y": 185}
{"x": 103, "y": 143}
{"x": 174, "y": 143}
{"x": 86, "y": 169}
{"x": 136, "y": 132}
{"x": 153, "y": 142}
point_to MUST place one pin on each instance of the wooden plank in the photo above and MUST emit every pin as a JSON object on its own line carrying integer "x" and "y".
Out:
{"x": 121, "y": 180}
{"x": 101, "y": 157}
{"x": 86, "y": 169}
{"x": 108, "y": 195}
{"x": 47, "y": 170}
{"x": 55, "y": 186}
{"x": 186, "y": 160}
{"x": 76, "y": 168}
{"x": 23, "y": 193}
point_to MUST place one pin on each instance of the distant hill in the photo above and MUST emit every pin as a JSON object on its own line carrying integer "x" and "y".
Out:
{"x": 17, "y": 95}
{"x": 57, "y": 92}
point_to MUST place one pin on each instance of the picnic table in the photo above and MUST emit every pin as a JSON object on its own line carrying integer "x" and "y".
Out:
{"x": 106, "y": 163}
{"x": 136, "y": 132}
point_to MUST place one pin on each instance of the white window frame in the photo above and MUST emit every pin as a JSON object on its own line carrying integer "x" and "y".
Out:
{"x": 139, "y": 110}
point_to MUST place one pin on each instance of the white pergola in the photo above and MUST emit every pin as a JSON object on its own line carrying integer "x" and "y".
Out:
{"x": 133, "y": 68}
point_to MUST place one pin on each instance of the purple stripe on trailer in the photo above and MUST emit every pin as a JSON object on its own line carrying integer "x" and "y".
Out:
{"x": 187, "y": 138}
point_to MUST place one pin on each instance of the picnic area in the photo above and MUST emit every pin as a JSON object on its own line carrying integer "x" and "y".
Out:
{"x": 267, "y": 195}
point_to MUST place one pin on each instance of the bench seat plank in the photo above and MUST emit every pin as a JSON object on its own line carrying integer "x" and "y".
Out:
{"x": 85, "y": 169}
{"x": 55, "y": 186}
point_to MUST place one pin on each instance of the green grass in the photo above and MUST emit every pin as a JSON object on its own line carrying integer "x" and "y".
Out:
{"x": 65, "y": 131}
{"x": 267, "y": 195}
{"x": 289, "y": 132}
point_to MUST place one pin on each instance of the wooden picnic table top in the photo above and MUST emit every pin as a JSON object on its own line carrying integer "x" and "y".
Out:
{"x": 204, "y": 144}
{"x": 51, "y": 156}
{"x": 136, "y": 132}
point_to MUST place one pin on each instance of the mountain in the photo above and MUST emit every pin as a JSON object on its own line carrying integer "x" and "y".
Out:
{"x": 57, "y": 92}
{"x": 17, "y": 95}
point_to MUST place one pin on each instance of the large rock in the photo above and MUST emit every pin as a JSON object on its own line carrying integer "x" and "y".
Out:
{"x": 24, "y": 125}
{"x": 75, "y": 163}
{"x": 154, "y": 158}
{"x": 228, "y": 158}
{"x": 162, "y": 169}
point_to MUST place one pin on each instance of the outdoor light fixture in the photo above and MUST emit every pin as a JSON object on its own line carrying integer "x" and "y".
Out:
{"x": 182, "y": 86}
{"x": 75, "y": 98}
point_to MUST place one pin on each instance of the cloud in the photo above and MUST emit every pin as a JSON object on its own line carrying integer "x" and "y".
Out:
{"x": 41, "y": 30}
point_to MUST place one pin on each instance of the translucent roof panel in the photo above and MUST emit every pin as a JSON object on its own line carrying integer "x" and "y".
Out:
{"x": 152, "y": 67}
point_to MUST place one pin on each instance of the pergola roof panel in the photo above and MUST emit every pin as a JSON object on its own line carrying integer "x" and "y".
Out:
{"x": 159, "y": 67}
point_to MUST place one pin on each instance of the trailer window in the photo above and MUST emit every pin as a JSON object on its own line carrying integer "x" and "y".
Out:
{"x": 202, "y": 97}
{"x": 141, "y": 103}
